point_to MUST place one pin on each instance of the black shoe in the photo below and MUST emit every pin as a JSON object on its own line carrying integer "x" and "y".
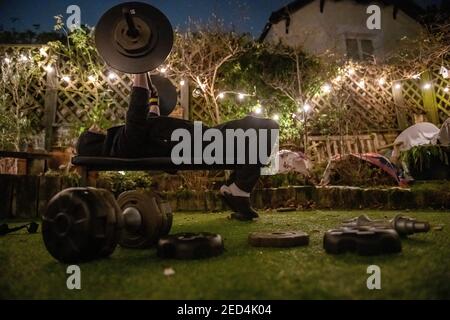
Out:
{"x": 241, "y": 207}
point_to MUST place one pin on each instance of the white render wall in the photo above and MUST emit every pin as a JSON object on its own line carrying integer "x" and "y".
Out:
{"x": 317, "y": 32}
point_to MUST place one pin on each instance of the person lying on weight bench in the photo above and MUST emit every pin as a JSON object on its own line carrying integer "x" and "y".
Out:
{"x": 146, "y": 134}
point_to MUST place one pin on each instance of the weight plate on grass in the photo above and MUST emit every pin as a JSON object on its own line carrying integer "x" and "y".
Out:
{"x": 279, "y": 239}
{"x": 143, "y": 214}
{"x": 80, "y": 225}
{"x": 362, "y": 240}
{"x": 187, "y": 246}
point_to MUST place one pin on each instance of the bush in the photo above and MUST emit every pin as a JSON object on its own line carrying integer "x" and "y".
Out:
{"x": 428, "y": 162}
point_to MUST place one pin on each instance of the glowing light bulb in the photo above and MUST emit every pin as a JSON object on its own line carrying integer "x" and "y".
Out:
{"x": 7, "y": 60}
{"x": 49, "y": 69}
{"x": 306, "y": 107}
{"x": 338, "y": 79}
{"x": 351, "y": 71}
{"x": 326, "y": 88}
{"x": 163, "y": 70}
{"x": 92, "y": 78}
{"x": 276, "y": 117}
{"x": 416, "y": 76}
{"x": 398, "y": 86}
{"x": 381, "y": 81}
{"x": 112, "y": 76}
{"x": 23, "y": 58}
{"x": 427, "y": 86}
{"x": 221, "y": 95}
{"x": 182, "y": 83}
{"x": 447, "y": 89}
{"x": 42, "y": 52}
{"x": 362, "y": 83}
{"x": 66, "y": 79}
{"x": 241, "y": 96}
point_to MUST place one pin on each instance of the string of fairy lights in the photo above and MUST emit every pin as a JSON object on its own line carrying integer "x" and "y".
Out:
{"x": 326, "y": 89}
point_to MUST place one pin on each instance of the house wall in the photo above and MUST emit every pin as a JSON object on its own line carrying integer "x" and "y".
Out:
{"x": 317, "y": 32}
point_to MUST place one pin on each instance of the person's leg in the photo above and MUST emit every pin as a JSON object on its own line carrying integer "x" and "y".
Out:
{"x": 247, "y": 176}
{"x": 237, "y": 191}
{"x": 130, "y": 140}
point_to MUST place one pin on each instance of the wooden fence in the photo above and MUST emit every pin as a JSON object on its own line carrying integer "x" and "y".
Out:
{"x": 376, "y": 106}
{"x": 322, "y": 148}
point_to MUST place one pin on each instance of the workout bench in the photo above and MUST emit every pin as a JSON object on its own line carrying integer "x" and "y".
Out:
{"x": 88, "y": 164}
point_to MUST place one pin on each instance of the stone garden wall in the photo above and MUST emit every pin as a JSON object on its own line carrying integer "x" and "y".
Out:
{"x": 27, "y": 197}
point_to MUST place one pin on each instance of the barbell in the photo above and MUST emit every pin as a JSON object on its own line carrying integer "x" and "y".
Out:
{"x": 85, "y": 224}
{"x": 136, "y": 38}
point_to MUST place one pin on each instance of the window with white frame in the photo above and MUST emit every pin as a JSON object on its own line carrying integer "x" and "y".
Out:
{"x": 359, "y": 48}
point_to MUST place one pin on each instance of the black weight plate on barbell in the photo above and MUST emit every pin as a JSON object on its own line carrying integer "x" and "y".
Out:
{"x": 278, "y": 239}
{"x": 364, "y": 241}
{"x": 167, "y": 218}
{"x": 148, "y": 233}
{"x": 168, "y": 95}
{"x": 186, "y": 246}
{"x": 79, "y": 225}
{"x": 114, "y": 226}
{"x": 161, "y": 39}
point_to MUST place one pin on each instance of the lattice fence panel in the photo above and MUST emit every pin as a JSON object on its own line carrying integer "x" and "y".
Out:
{"x": 442, "y": 90}
{"x": 370, "y": 102}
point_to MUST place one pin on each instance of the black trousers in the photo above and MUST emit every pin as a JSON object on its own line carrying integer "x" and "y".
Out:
{"x": 145, "y": 135}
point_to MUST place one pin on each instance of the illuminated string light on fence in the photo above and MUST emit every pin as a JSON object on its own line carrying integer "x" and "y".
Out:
{"x": 307, "y": 107}
{"x": 326, "y": 88}
{"x": 241, "y": 96}
{"x": 362, "y": 84}
{"x": 92, "y": 78}
{"x": 381, "y": 81}
{"x": 416, "y": 76}
{"x": 258, "y": 110}
{"x": 7, "y": 60}
{"x": 66, "y": 79}
{"x": 221, "y": 95}
{"x": 23, "y": 58}
{"x": 43, "y": 52}
{"x": 276, "y": 117}
{"x": 397, "y": 86}
{"x": 163, "y": 69}
{"x": 447, "y": 89}
{"x": 49, "y": 69}
{"x": 112, "y": 76}
{"x": 182, "y": 83}
{"x": 427, "y": 86}
{"x": 351, "y": 71}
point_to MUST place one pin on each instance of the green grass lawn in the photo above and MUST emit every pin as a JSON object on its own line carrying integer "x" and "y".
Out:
{"x": 421, "y": 271}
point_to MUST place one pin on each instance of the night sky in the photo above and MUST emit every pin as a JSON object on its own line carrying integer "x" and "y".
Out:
{"x": 244, "y": 15}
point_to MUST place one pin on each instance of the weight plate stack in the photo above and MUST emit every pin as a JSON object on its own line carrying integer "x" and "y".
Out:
{"x": 279, "y": 239}
{"x": 146, "y": 219}
{"x": 81, "y": 224}
{"x": 186, "y": 246}
{"x": 364, "y": 241}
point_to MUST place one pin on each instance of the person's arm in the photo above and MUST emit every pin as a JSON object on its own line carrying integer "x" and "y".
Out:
{"x": 138, "y": 108}
{"x": 140, "y": 81}
{"x": 154, "y": 101}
